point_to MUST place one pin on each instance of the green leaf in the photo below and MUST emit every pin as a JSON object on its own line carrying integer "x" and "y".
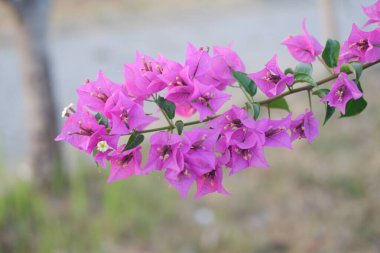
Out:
{"x": 321, "y": 92}
{"x": 248, "y": 85}
{"x": 329, "y": 112}
{"x": 302, "y": 74}
{"x": 331, "y": 53}
{"x": 359, "y": 86}
{"x": 355, "y": 107}
{"x": 304, "y": 78}
{"x": 352, "y": 67}
{"x": 256, "y": 110}
{"x": 133, "y": 141}
{"x": 179, "y": 125}
{"x": 101, "y": 119}
{"x": 279, "y": 104}
{"x": 304, "y": 68}
{"x": 166, "y": 106}
{"x": 289, "y": 71}
{"x": 358, "y": 69}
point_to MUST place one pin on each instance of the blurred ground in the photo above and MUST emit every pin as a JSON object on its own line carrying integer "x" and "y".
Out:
{"x": 323, "y": 197}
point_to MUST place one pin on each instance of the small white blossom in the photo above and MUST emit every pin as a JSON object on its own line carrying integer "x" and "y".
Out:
{"x": 103, "y": 146}
{"x": 67, "y": 109}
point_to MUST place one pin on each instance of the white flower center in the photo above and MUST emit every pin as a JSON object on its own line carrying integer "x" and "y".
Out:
{"x": 66, "y": 111}
{"x": 103, "y": 146}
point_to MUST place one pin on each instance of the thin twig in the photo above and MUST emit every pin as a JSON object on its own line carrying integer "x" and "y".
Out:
{"x": 263, "y": 102}
{"x": 310, "y": 103}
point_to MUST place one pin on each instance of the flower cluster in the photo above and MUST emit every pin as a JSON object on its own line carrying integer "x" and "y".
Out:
{"x": 107, "y": 112}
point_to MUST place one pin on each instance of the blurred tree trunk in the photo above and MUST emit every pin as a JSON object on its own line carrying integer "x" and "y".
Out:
{"x": 43, "y": 154}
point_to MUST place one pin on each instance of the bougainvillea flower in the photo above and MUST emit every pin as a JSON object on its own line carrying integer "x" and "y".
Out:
{"x": 342, "y": 91}
{"x": 361, "y": 46}
{"x": 83, "y": 132}
{"x": 305, "y": 126}
{"x": 222, "y": 63}
{"x": 200, "y": 139}
{"x": 166, "y": 152}
{"x": 94, "y": 95}
{"x": 211, "y": 182}
{"x": 128, "y": 116}
{"x": 199, "y": 159}
{"x": 182, "y": 180}
{"x": 356, "y": 46}
{"x": 200, "y": 156}
{"x": 232, "y": 59}
{"x": 243, "y": 157}
{"x": 103, "y": 149}
{"x": 124, "y": 163}
{"x": 276, "y": 132}
{"x": 373, "y": 12}
{"x": 271, "y": 80}
{"x": 197, "y": 60}
{"x": 185, "y": 110}
{"x": 247, "y": 137}
{"x": 304, "y": 48}
{"x": 232, "y": 120}
{"x": 181, "y": 89}
{"x": 373, "y": 52}
{"x": 207, "y": 100}
{"x": 143, "y": 77}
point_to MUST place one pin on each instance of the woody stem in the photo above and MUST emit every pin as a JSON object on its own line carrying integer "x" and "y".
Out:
{"x": 262, "y": 102}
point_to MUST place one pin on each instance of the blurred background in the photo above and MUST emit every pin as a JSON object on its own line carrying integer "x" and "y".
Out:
{"x": 323, "y": 197}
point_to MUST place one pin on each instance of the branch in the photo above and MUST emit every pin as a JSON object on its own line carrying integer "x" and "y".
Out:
{"x": 266, "y": 101}
{"x": 310, "y": 87}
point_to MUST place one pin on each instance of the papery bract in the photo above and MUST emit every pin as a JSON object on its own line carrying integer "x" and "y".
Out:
{"x": 222, "y": 63}
{"x": 342, "y": 91}
{"x": 304, "y": 126}
{"x": 166, "y": 152}
{"x": 181, "y": 180}
{"x": 373, "y": 52}
{"x": 127, "y": 115}
{"x": 356, "y": 46}
{"x": 200, "y": 155}
{"x": 197, "y": 60}
{"x": 181, "y": 89}
{"x": 276, "y": 132}
{"x": 304, "y": 48}
{"x": 185, "y": 110}
{"x": 207, "y": 100}
{"x": 143, "y": 77}
{"x": 198, "y": 160}
{"x": 271, "y": 80}
{"x": 373, "y": 12}
{"x": 124, "y": 163}
{"x": 243, "y": 158}
{"x": 211, "y": 182}
{"x": 361, "y": 46}
{"x": 94, "y": 94}
{"x": 234, "y": 119}
{"x": 83, "y": 132}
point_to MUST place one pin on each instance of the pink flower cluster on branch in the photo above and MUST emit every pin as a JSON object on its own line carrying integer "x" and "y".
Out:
{"x": 107, "y": 112}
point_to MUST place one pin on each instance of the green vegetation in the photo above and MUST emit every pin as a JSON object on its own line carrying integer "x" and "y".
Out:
{"x": 87, "y": 217}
